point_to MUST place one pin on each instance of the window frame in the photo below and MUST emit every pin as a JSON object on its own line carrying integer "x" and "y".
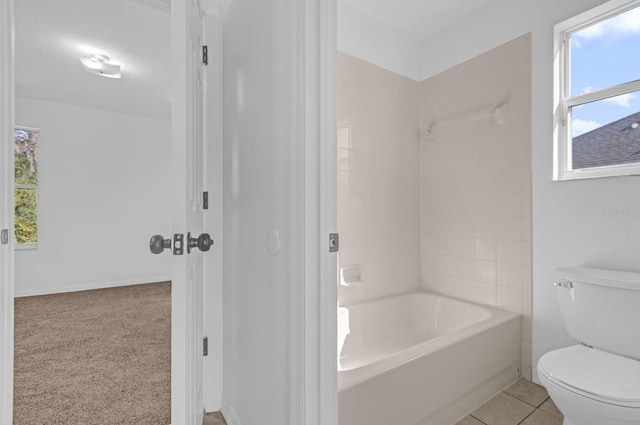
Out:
{"x": 564, "y": 102}
{"x": 36, "y": 187}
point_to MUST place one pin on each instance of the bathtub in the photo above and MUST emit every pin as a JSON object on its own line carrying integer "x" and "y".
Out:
{"x": 424, "y": 359}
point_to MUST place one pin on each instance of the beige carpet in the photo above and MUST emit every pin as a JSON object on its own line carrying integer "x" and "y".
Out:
{"x": 94, "y": 357}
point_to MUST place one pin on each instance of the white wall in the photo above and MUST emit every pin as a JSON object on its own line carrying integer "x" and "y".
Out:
{"x": 258, "y": 188}
{"x": 103, "y": 191}
{"x": 361, "y": 37}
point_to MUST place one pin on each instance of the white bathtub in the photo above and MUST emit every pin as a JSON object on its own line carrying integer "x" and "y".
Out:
{"x": 422, "y": 358}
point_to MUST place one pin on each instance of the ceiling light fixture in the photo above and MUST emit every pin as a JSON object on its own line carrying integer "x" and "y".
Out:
{"x": 99, "y": 64}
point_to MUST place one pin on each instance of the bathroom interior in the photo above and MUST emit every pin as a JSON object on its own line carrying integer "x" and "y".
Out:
{"x": 453, "y": 229}
{"x": 445, "y": 162}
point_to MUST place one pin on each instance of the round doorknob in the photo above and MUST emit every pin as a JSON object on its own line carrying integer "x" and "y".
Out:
{"x": 202, "y": 242}
{"x": 158, "y": 243}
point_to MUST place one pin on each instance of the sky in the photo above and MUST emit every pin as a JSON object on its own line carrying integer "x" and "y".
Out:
{"x": 605, "y": 55}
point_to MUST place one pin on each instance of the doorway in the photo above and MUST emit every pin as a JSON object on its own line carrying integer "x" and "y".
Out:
{"x": 104, "y": 144}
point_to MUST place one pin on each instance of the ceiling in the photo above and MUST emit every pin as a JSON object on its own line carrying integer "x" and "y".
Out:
{"x": 415, "y": 19}
{"x": 51, "y": 37}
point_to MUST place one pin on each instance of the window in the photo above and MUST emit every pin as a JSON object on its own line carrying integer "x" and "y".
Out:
{"x": 597, "y": 86}
{"x": 26, "y": 186}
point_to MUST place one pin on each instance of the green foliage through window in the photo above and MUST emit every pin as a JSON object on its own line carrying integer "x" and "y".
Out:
{"x": 26, "y": 185}
{"x": 26, "y": 223}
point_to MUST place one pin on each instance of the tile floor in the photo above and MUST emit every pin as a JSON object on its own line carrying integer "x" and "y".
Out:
{"x": 523, "y": 403}
{"x": 214, "y": 419}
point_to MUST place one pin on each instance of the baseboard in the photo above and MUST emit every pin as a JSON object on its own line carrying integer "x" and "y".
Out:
{"x": 230, "y": 415}
{"x": 85, "y": 287}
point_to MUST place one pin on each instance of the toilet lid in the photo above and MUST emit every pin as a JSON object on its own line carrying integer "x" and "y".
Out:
{"x": 613, "y": 379}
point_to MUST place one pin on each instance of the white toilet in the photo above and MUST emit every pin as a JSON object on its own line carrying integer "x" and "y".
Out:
{"x": 598, "y": 381}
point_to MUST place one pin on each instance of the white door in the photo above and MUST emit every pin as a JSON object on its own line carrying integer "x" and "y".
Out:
{"x": 6, "y": 212}
{"x": 187, "y": 389}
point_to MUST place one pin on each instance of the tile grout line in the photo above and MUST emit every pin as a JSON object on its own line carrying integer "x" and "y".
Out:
{"x": 535, "y": 408}
{"x": 525, "y": 401}
{"x": 525, "y": 418}
{"x": 477, "y": 419}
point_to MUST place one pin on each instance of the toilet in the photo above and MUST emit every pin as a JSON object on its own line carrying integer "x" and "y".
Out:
{"x": 596, "y": 382}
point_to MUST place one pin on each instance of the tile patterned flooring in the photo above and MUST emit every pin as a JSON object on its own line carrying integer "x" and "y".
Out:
{"x": 523, "y": 403}
{"x": 215, "y": 418}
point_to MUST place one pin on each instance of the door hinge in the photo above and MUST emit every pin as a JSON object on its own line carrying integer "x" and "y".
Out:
{"x": 334, "y": 242}
{"x": 205, "y": 55}
{"x": 205, "y": 346}
{"x": 205, "y": 200}
{"x": 4, "y": 236}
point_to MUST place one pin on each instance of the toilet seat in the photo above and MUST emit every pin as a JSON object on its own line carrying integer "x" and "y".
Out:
{"x": 592, "y": 373}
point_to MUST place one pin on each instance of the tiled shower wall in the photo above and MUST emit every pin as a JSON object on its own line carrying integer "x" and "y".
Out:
{"x": 450, "y": 211}
{"x": 378, "y": 179}
{"x": 475, "y": 183}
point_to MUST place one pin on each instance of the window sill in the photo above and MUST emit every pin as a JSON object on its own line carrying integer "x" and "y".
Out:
{"x": 600, "y": 172}
{"x": 25, "y": 246}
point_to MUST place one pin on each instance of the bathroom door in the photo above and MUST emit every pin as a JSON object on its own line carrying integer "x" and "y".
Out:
{"x": 188, "y": 170}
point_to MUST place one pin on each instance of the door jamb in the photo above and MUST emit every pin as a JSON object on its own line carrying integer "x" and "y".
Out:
{"x": 315, "y": 400}
{"x": 213, "y": 313}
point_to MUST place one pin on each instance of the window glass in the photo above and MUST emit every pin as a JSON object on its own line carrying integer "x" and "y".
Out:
{"x": 598, "y": 93}
{"x": 26, "y": 156}
{"x": 26, "y": 185}
{"x": 606, "y": 54}
{"x": 26, "y": 219}
{"x": 605, "y": 134}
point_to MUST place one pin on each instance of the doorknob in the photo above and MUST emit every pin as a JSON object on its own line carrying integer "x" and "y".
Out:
{"x": 202, "y": 242}
{"x": 158, "y": 243}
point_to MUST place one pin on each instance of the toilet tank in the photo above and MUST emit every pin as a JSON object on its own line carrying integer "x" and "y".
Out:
{"x": 601, "y": 308}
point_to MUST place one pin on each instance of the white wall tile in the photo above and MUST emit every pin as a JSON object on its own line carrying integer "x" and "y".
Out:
{"x": 526, "y": 252}
{"x": 486, "y": 294}
{"x": 486, "y": 271}
{"x": 343, "y": 182}
{"x": 361, "y": 141}
{"x": 509, "y": 228}
{"x": 362, "y": 184}
{"x": 484, "y": 226}
{"x": 510, "y": 299}
{"x": 379, "y": 180}
{"x": 362, "y": 162}
{"x": 475, "y": 182}
{"x": 344, "y": 137}
{"x": 486, "y": 249}
{"x": 526, "y": 278}
{"x": 450, "y": 212}
{"x": 526, "y": 228}
{"x": 509, "y": 275}
{"x": 343, "y": 159}
{"x": 525, "y": 352}
{"x": 509, "y": 251}
{"x": 527, "y": 308}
